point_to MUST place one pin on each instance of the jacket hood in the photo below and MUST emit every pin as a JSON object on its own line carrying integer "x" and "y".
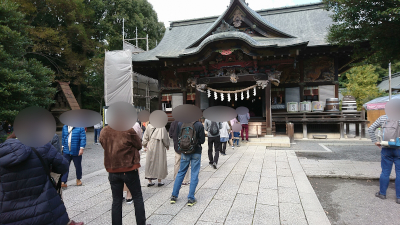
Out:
{"x": 13, "y": 152}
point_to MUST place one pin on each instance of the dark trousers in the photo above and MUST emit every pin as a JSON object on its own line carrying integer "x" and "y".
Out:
{"x": 223, "y": 147}
{"x": 78, "y": 167}
{"x": 217, "y": 146}
{"x": 132, "y": 181}
{"x": 96, "y": 134}
{"x": 245, "y": 128}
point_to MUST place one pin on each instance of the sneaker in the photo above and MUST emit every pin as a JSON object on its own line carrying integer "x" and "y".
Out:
{"x": 160, "y": 184}
{"x": 191, "y": 202}
{"x": 379, "y": 195}
{"x": 129, "y": 201}
{"x": 238, "y": 146}
{"x": 214, "y": 165}
{"x": 150, "y": 184}
{"x": 78, "y": 182}
{"x": 185, "y": 183}
{"x": 233, "y": 147}
{"x": 398, "y": 201}
{"x": 75, "y": 223}
{"x": 173, "y": 200}
{"x": 64, "y": 185}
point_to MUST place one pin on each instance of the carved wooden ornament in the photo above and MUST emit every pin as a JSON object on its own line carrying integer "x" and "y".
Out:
{"x": 238, "y": 18}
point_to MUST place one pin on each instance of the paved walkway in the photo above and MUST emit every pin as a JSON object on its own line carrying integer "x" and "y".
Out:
{"x": 252, "y": 185}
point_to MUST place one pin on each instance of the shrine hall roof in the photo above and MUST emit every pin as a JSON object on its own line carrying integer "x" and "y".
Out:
{"x": 305, "y": 23}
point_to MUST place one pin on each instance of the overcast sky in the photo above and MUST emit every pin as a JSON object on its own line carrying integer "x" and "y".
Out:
{"x": 172, "y": 10}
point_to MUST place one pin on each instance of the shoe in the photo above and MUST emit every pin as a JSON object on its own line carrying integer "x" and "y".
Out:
{"x": 76, "y": 223}
{"x": 191, "y": 202}
{"x": 173, "y": 200}
{"x": 214, "y": 165}
{"x": 160, "y": 184}
{"x": 398, "y": 201}
{"x": 185, "y": 183}
{"x": 78, "y": 182}
{"x": 150, "y": 184}
{"x": 129, "y": 201}
{"x": 64, "y": 185}
{"x": 238, "y": 146}
{"x": 379, "y": 195}
{"x": 223, "y": 154}
{"x": 233, "y": 147}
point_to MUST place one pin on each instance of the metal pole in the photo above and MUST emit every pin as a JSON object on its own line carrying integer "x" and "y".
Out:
{"x": 123, "y": 32}
{"x": 156, "y": 43}
{"x": 136, "y": 38}
{"x": 390, "y": 80}
{"x": 147, "y": 42}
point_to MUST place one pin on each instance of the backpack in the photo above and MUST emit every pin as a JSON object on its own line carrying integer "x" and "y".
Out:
{"x": 214, "y": 130}
{"x": 390, "y": 136}
{"x": 187, "y": 138}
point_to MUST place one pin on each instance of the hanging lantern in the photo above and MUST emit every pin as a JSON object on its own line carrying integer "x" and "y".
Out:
{"x": 242, "y": 97}
{"x": 208, "y": 93}
{"x": 254, "y": 91}
{"x": 248, "y": 93}
{"x": 235, "y": 96}
{"x": 215, "y": 95}
{"x": 229, "y": 97}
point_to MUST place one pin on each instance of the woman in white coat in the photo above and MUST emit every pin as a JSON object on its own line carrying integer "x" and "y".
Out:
{"x": 224, "y": 136}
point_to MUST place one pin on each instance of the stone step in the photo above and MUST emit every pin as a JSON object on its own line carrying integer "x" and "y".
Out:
{"x": 266, "y": 144}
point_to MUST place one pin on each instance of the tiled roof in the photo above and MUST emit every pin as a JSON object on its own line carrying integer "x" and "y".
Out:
{"x": 69, "y": 95}
{"x": 307, "y": 23}
{"x": 395, "y": 81}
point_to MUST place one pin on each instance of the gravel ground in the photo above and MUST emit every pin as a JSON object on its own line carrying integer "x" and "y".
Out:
{"x": 351, "y": 202}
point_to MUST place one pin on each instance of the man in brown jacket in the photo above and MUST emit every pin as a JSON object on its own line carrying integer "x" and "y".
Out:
{"x": 122, "y": 160}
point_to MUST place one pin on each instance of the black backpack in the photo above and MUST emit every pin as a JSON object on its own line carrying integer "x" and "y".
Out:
{"x": 187, "y": 138}
{"x": 214, "y": 130}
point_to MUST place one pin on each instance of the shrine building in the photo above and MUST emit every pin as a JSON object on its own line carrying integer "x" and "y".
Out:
{"x": 258, "y": 59}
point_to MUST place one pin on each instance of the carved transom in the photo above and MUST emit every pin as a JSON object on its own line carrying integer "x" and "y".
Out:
{"x": 225, "y": 27}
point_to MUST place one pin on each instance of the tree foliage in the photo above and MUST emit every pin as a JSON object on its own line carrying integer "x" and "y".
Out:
{"x": 361, "y": 83}
{"x": 377, "y": 22}
{"x": 23, "y": 82}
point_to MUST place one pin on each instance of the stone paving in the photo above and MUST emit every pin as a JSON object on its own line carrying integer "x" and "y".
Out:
{"x": 252, "y": 185}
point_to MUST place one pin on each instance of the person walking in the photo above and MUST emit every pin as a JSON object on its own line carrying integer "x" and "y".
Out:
{"x": 389, "y": 156}
{"x": 122, "y": 161}
{"x": 213, "y": 137}
{"x": 194, "y": 160}
{"x": 173, "y": 133}
{"x": 97, "y": 129}
{"x": 224, "y": 136}
{"x": 156, "y": 141}
{"x": 27, "y": 195}
{"x": 234, "y": 135}
{"x": 73, "y": 144}
{"x": 244, "y": 121}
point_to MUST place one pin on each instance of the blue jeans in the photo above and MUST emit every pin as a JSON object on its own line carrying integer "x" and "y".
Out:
{"x": 96, "y": 134}
{"x": 389, "y": 156}
{"x": 235, "y": 140}
{"x": 194, "y": 160}
{"x": 78, "y": 167}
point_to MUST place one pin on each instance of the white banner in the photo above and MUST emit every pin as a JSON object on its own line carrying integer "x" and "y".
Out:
{"x": 118, "y": 77}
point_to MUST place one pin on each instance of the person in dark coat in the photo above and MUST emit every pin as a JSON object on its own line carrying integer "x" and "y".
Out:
{"x": 26, "y": 193}
{"x": 56, "y": 142}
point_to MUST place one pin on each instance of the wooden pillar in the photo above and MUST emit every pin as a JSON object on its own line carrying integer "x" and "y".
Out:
{"x": 358, "y": 129}
{"x": 160, "y": 100}
{"x": 347, "y": 128}
{"x": 301, "y": 92}
{"x": 184, "y": 96}
{"x": 305, "y": 131}
{"x": 268, "y": 114}
{"x": 197, "y": 101}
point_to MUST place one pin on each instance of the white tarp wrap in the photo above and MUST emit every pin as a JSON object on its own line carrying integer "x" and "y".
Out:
{"x": 118, "y": 77}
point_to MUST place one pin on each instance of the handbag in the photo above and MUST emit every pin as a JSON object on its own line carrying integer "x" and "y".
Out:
{"x": 57, "y": 185}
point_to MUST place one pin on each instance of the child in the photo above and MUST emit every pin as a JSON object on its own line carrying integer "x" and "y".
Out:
{"x": 236, "y": 139}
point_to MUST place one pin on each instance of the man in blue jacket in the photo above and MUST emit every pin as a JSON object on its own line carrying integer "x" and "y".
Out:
{"x": 73, "y": 144}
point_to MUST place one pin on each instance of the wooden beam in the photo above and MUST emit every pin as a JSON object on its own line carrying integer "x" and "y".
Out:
{"x": 242, "y": 78}
{"x": 197, "y": 101}
{"x": 268, "y": 113}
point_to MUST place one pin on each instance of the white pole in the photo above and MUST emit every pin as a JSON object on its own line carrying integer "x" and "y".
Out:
{"x": 123, "y": 32}
{"x": 136, "y": 38}
{"x": 147, "y": 42}
{"x": 390, "y": 81}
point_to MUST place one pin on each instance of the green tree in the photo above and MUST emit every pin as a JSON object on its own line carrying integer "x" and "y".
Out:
{"x": 94, "y": 90}
{"x": 377, "y": 22}
{"x": 23, "y": 82}
{"x": 361, "y": 83}
{"x": 137, "y": 13}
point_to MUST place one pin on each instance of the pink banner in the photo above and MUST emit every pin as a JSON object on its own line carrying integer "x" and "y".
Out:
{"x": 376, "y": 106}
